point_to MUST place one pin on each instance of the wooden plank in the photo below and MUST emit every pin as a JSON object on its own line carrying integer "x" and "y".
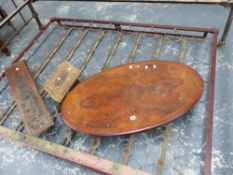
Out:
{"x": 98, "y": 164}
{"x": 61, "y": 81}
{"x": 33, "y": 111}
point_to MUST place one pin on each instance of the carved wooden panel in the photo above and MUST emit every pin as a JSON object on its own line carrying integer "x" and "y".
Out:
{"x": 61, "y": 81}
{"x": 33, "y": 111}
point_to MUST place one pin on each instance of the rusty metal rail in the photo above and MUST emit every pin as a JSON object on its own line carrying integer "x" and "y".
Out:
{"x": 119, "y": 29}
{"x": 7, "y": 20}
{"x": 225, "y": 3}
{"x": 164, "y": 1}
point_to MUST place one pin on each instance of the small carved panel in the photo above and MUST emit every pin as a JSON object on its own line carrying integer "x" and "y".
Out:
{"x": 61, "y": 81}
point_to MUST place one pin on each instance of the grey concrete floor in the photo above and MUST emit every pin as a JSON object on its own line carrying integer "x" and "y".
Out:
{"x": 185, "y": 154}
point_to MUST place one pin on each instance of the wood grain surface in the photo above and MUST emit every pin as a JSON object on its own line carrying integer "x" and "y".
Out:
{"x": 33, "y": 111}
{"x": 132, "y": 98}
{"x": 61, "y": 80}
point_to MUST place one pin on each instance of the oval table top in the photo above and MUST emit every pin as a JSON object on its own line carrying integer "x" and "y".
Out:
{"x": 131, "y": 98}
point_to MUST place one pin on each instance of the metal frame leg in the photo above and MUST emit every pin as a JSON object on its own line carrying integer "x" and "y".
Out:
{"x": 35, "y": 15}
{"x": 4, "y": 50}
{"x": 227, "y": 28}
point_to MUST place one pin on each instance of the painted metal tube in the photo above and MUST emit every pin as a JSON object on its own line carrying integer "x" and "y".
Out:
{"x": 209, "y": 130}
{"x": 227, "y": 28}
{"x": 8, "y": 18}
{"x": 194, "y": 29}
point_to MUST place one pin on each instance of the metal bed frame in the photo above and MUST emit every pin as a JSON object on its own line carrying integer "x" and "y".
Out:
{"x": 18, "y": 12}
{"x": 225, "y": 3}
{"x": 119, "y": 28}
